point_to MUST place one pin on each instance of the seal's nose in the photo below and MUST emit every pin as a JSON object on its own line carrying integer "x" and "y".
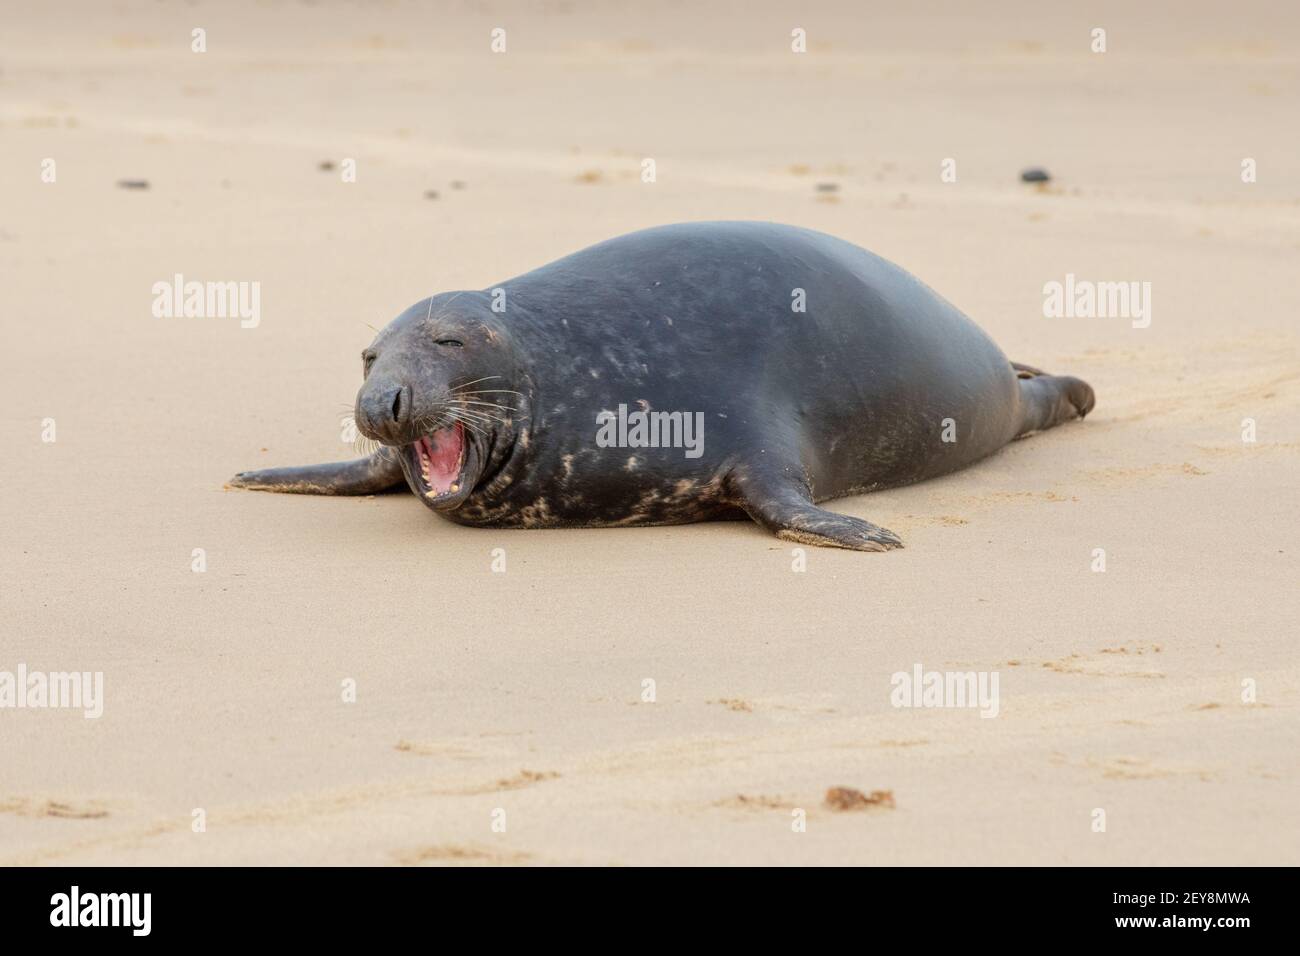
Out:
{"x": 385, "y": 411}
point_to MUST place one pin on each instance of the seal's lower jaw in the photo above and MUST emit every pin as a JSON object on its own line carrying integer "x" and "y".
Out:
{"x": 441, "y": 467}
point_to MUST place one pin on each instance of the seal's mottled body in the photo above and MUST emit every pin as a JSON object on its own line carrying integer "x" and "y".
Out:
{"x": 819, "y": 369}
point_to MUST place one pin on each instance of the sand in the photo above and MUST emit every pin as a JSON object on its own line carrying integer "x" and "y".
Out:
{"x": 518, "y": 698}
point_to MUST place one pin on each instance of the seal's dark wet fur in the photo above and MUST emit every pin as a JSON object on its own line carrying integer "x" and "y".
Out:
{"x": 856, "y": 393}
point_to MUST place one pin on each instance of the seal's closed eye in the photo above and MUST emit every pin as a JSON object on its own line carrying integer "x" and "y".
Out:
{"x": 454, "y": 343}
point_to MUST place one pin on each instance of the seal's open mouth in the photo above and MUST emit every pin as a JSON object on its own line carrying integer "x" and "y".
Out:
{"x": 439, "y": 462}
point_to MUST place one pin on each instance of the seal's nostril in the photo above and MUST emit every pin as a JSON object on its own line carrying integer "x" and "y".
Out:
{"x": 397, "y": 406}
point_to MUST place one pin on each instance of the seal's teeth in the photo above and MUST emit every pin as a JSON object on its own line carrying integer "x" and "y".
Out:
{"x": 431, "y": 493}
{"x": 455, "y": 487}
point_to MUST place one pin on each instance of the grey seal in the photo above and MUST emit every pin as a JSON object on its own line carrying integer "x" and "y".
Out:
{"x": 685, "y": 373}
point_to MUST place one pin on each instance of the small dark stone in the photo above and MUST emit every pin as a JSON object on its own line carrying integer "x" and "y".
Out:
{"x": 431, "y": 194}
{"x": 1035, "y": 174}
{"x": 457, "y": 184}
{"x": 828, "y": 187}
{"x": 133, "y": 183}
{"x": 325, "y": 165}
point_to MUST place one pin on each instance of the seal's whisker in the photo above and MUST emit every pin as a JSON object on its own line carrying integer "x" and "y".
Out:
{"x": 482, "y": 408}
{"x": 481, "y": 399}
{"x": 443, "y": 311}
{"x": 367, "y": 446}
{"x": 487, "y": 401}
{"x": 452, "y": 412}
{"x": 467, "y": 426}
{"x": 472, "y": 427}
{"x": 484, "y": 417}
{"x": 478, "y": 417}
{"x": 455, "y": 408}
{"x": 425, "y": 422}
{"x": 471, "y": 401}
{"x": 489, "y": 411}
{"x": 475, "y": 382}
{"x": 460, "y": 416}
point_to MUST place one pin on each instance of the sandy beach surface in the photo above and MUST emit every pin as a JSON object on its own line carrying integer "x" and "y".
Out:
{"x": 1161, "y": 691}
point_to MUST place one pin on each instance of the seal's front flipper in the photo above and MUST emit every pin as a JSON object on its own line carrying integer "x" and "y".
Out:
{"x": 785, "y": 508}
{"x": 365, "y": 476}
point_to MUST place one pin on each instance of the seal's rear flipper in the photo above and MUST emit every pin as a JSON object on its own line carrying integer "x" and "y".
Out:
{"x": 1047, "y": 400}
{"x": 365, "y": 476}
{"x": 786, "y": 509}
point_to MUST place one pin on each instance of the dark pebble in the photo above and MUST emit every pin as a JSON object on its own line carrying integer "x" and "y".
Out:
{"x": 828, "y": 187}
{"x": 457, "y": 184}
{"x": 325, "y": 165}
{"x": 431, "y": 194}
{"x": 133, "y": 183}
{"x": 1034, "y": 175}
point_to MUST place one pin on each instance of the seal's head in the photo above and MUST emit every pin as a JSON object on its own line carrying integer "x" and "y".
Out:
{"x": 440, "y": 388}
